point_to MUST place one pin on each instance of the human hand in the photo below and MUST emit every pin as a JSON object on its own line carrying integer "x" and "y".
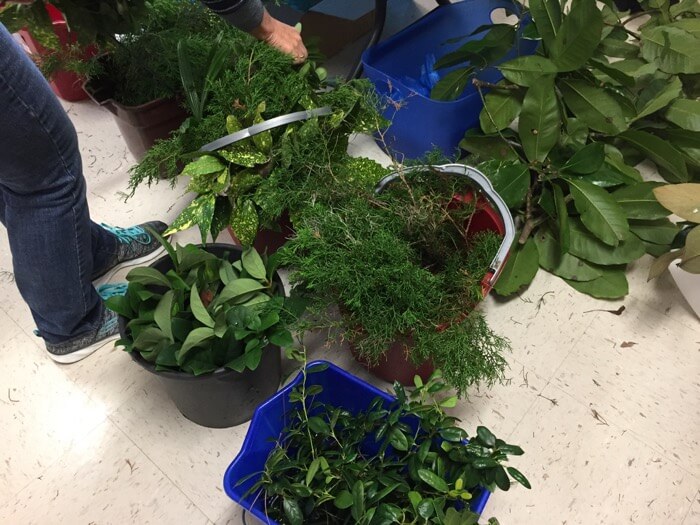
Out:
{"x": 282, "y": 36}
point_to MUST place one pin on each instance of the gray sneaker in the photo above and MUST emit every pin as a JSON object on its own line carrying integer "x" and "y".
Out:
{"x": 136, "y": 246}
{"x": 82, "y": 346}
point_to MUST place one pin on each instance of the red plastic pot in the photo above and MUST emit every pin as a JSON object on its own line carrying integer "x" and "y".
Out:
{"x": 491, "y": 214}
{"x": 65, "y": 84}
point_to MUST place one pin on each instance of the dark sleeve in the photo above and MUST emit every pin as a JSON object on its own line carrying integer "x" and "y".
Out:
{"x": 244, "y": 14}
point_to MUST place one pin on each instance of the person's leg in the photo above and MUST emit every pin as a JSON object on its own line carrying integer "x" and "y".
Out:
{"x": 45, "y": 207}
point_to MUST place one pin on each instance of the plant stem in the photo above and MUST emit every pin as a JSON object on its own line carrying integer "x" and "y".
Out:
{"x": 482, "y": 84}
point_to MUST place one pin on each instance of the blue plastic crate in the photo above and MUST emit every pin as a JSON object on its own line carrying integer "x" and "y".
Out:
{"x": 339, "y": 389}
{"x": 422, "y": 123}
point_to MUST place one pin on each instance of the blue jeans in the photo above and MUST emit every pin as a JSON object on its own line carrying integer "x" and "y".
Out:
{"x": 56, "y": 248}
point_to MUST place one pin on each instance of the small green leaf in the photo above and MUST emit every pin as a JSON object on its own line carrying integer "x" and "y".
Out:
{"x": 203, "y": 165}
{"x": 343, "y": 500}
{"x": 520, "y": 269}
{"x": 578, "y": 37}
{"x": 198, "y": 309}
{"x": 587, "y": 160}
{"x": 313, "y": 469}
{"x": 657, "y": 95}
{"x": 147, "y": 276}
{"x": 358, "y": 501}
{"x": 433, "y": 480}
{"x": 195, "y": 338}
{"x": 318, "y": 425}
{"x": 511, "y": 180}
{"x": 451, "y": 86}
{"x": 398, "y": 439}
{"x": 519, "y": 477}
{"x": 527, "y": 70}
{"x": 237, "y": 289}
{"x": 539, "y": 125}
{"x": 253, "y": 264}
{"x": 500, "y": 109}
{"x": 599, "y": 212}
{"x": 293, "y": 512}
{"x": 502, "y": 479}
{"x": 282, "y": 338}
{"x": 163, "y": 314}
{"x": 486, "y": 436}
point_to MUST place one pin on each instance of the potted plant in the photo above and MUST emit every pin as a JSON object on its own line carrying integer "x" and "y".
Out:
{"x": 330, "y": 448}
{"x": 599, "y": 96}
{"x": 270, "y": 137}
{"x": 406, "y": 268}
{"x": 208, "y": 322}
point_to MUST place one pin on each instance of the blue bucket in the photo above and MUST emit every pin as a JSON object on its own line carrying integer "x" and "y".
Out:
{"x": 421, "y": 123}
{"x": 340, "y": 389}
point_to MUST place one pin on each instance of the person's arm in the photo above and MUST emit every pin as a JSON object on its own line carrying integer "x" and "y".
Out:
{"x": 251, "y": 16}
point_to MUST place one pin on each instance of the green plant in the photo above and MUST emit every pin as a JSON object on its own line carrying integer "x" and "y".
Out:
{"x": 584, "y": 120}
{"x": 401, "y": 267}
{"x": 406, "y": 462}
{"x": 684, "y": 201}
{"x": 205, "y": 313}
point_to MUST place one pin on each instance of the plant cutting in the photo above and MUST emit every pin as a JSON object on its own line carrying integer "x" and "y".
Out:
{"x": 209, "y": 321}
{"x": 599, "y": 96}
{"x": 288, "y": 133}
{"x": 362, "y": 456}
{"x": 405, "y": 268}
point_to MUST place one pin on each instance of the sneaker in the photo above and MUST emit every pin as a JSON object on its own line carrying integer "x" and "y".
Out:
{"x": 136, "y": 246}
{"x": 82, "y": 346}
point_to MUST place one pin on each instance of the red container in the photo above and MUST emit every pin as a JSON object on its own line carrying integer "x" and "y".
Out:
{"x": 65, "y": 84}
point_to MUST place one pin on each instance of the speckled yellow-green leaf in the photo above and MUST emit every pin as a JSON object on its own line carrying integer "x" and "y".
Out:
{"x": 209, "y": 182}
{"x": 336, "y": 118}
{"x": 307, "y": 102}
{"x": 262, "y": 140}
{"x": 242, "y": 182}
{"x": 244, "y": 222}
{"x": 244, "y": 155}
{"x": 203, "y": 165}
{"x": 200, "y": 211}
{"x": 233, "y": 124}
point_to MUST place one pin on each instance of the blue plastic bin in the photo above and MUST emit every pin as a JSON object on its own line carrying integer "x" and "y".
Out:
{"x": 339, "y": 389}
{"x": 422, "y": 123}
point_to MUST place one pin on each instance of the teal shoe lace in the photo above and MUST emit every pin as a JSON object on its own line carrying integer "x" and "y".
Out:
{"x": 129, "y": 235}
{"x": 112, "y": 290}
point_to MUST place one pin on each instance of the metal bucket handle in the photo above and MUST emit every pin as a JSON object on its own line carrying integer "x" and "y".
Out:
{"x": 484, "y": 185}
{"x": 266, "y": 125}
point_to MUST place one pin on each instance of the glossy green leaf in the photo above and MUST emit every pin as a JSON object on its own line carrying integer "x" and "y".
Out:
{"x": 562, "y": 264}
{"x": 685, "y": 113}
{"x": 194, "y": 338}
{"x": 657, "y": 95}
{"x": 659, "y": 231}
{"x": 638, "y": 201}
{"x": 500, "y": 109}
{"x": 147, "y": 276}
{"x": 292, "y": 511}
{"x": 358, "y": 501}
{"x": 238, "y": 288}
{"x": 578, "y": 37}
{"x": 198, "y": 309}
{"x": 588, "y": 247}
{"x": 527, "y": 70}
{"x": 672, "y": 49}
{"x": 433, "y": 480}
{"x": 520, "y": 268}
{"x": 486, "y": 436}
{"x": 663, "y": 154}
{"x": 203, "y": 165}
{"x": 451, "y": 86}
{"x": 149, "y": 337}
{"x": 611, "y": 285}
{"x": 511, "y": 180}
{"x": 492, "y": 147}
{"x": 562, "y": 219}
{"x": 599, "y": 212}
{"x": 612, "y": 47}
{"x": 398, "y": 439}
{"x": 539, "y": 125}
{"x": 547, "y": 15}
{"x": 612, "y": 73}
{"x": 343, "y": 500}
{"x": 163, "y": 314}
{"x": 588, "y": 159}
{"x": 519, "y": 477}
{"x": 282, "y": 339}
{"x": 594, "y": 106}
{"x": 502, "y": 479}
{"x": 253, "y": 264}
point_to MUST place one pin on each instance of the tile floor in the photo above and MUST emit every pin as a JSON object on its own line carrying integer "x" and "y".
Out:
{"x": 610, "y": 430}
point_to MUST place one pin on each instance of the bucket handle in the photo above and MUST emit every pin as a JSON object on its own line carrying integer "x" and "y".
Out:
{"x": 266, "y": 125}
{"x": 486, "y": 188}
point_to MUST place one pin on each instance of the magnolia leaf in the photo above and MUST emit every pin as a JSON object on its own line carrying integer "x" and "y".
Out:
{"x": 493, "y": 146}
{"x": 578, "y": 37}
{"x": 564, "y": 265}
{"x": 195, "y": 338}
{"x": 511, "y": 180}
{"x": 661, "y": 263}
{"x": 451, "y": 86}
{"x": 612, "y": 284}
{"x": 198, "y": 309}
{"x": 672, "y": 49}
{"x": 687, "y": 143}
{"x": 638, "y": 201}
{"x": 681, "y": 199}
{"x": 594, "y": 106}
{"x": 500, "y": 109}
{"x": 663, "y": 154}
{"x": 253, "y": 264}
{"x": 599, "y": 212}
{"x": 659, "y": 231}
{"x": 657, "y": 95}
{"x": 588, "y": 159}
{"x": 163, "y": 314}
{"x": 147, "y": 276}
{"x": 203, "y": 165}
{"x": 520, "y": 268}
{"x": 685, "y": 113}
{"x": 527, "y": 70}
{"x": 547, "y": 15}
{"x": 612, "y": 47}
{"x": 562, "y": 219}
{"x": 612, "y": 73}
{"x": 539, "y": 125}
{"x": 585, "y": 245}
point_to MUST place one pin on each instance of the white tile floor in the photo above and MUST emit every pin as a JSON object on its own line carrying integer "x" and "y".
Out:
{"x": 610, "y": 431}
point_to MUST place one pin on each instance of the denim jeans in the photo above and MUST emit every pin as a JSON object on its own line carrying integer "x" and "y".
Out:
{"x": 56, "y": 248}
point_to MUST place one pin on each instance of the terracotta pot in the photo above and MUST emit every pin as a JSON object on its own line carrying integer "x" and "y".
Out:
{"x": 140, "y": 125}
{"x": 65, "y": 84}
{"x": 268, "y": 240}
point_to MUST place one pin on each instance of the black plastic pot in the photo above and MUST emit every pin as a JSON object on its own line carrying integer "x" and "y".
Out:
{"x": 223, "y": 398}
